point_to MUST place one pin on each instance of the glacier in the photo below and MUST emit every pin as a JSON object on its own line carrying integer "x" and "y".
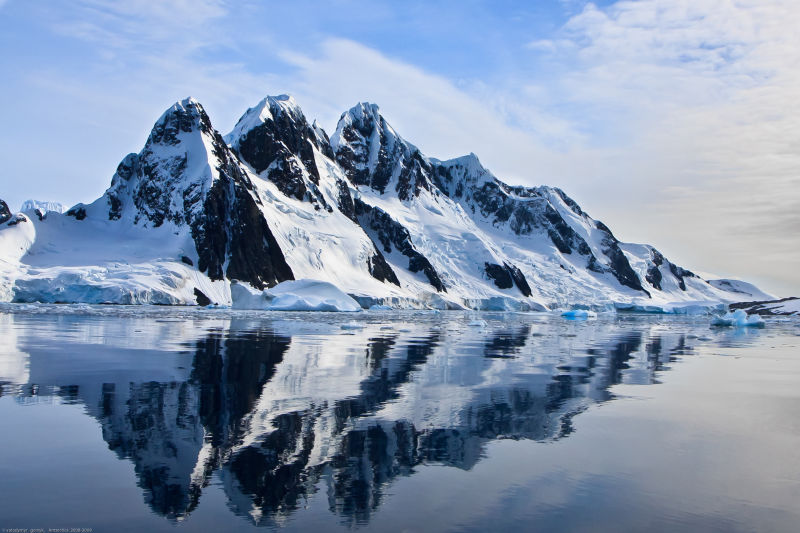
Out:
{"x": 198, "y": 218}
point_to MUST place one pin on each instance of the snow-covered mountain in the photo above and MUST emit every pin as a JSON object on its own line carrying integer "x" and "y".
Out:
{"x": 365, "y": 210}
{"x": 44, "y": 206}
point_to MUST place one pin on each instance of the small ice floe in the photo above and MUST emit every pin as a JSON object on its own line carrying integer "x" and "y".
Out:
{"x": 352, "y": 326}
{"x": 477, "y": 323}
{"x": 294, "y": 295}
{"x": 739, "y": 319}
{"x": 384, "y": 328}
{"x": 578, "y": 313}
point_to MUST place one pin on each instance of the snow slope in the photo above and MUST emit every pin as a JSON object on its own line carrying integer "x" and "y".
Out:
{"x": 748, "y": 291}
{"x": 364, "y": 210}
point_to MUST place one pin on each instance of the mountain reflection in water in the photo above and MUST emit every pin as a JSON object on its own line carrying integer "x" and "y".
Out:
{"x": 282, "y": 408}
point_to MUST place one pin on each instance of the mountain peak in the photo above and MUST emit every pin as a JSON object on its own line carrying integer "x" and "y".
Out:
{"x": 189, "y": 105}
{"x": 283, "y": 103}
{"x": 363, "y": 116}
{"x": 470, "y": 160}
{"x": 283, "y": 99}
{"x": 190, "y": 101}
{"x": 269, "y": 108}
{"x": 365, "y": 121}
{"x": 184, "y": 116}
{"x": 466, "y": 169}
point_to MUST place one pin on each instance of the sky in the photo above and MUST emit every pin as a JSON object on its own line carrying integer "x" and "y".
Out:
{"x": 675, "y": 122}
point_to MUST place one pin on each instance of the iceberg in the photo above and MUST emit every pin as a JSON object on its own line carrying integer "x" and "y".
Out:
{"x": 739, "y": 319}
{"x": 578, "y": 313}
{"x": 297, "y": 295}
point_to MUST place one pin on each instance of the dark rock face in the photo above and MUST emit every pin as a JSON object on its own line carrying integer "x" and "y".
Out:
{"x": 233, "y": 229}
{"x": 380, "y": 269}
{"x": 654, "y": 276}
{"x": 618, "y": 264}
{"x": 346, "y": 204}
{"x": 78, "y": 212}
{"x": 371, "y": 153}
{"x": 201, "y": 298}
{"x": 506, "y": 276}
{"x": 128, "y": 169}
{"x": 19, "y": 218}
{"x": 680, "y": 274}
{"x": 226, "y": 224}
{"x": 519, "y": 279}
{"x": 5, "y": 213}
{"x": 391, "y": 233}
{"x": 499, "y": 275}
{"x": 281, "y": 147}
{"x": 622, "y": 269}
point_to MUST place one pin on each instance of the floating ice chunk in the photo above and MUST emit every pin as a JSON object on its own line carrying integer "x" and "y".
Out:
{"x": 477, "y": 323}
{"x": 299, "y": 295}
{"x": 352, "y": 325}
{"x": 578, "y": 313}
{"x": 695, "y": 308}
{"x": 380, "y": 307}
{"x": 738, "y": 319}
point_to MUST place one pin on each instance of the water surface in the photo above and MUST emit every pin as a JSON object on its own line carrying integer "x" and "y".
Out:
{"x": 159, "y": 419}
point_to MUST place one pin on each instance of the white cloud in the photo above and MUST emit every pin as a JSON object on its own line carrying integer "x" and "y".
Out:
{"x": 701, "y": 98}
{"x": 429, "y": 110}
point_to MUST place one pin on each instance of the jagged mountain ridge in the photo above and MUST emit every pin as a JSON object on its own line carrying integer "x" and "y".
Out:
{"x": 277, "y": 199}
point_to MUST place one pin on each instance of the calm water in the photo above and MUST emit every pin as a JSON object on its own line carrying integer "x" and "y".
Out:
{"x": 124, "y": 419}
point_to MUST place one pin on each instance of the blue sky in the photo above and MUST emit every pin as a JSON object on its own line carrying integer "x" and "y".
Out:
{"x": 674, "y": 121}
